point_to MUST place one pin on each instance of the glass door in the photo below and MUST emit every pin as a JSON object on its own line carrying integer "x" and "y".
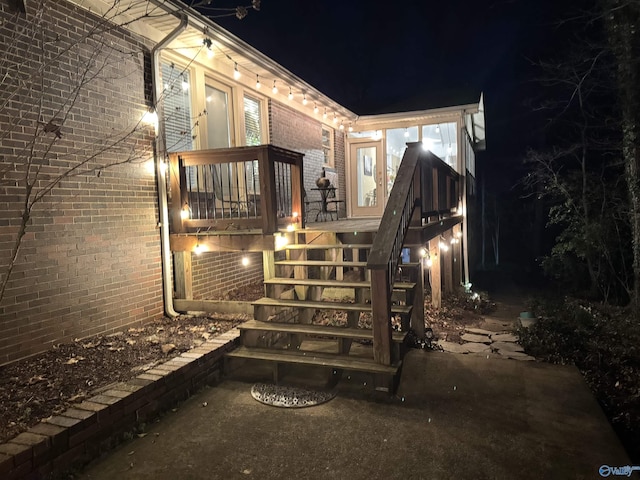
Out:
{"x": 367, "y": 169}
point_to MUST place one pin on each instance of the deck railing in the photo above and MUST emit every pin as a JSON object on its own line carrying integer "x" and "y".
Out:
{"x": 425, "y": 186}
{"x": 245, "y": 188}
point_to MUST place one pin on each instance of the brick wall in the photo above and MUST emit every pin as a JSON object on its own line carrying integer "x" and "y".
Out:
{"x": 296, "y": 131}
{"x": 214, "y": 274}
{"x": 90, "y": 259}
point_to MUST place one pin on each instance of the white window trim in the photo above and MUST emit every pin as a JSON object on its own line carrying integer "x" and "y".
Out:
{"x": 332, "y": 148}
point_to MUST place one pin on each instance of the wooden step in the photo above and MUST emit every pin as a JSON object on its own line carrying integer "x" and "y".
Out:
{"x": 321, "y": 263}
{"x": 333, "y": 283}
{"x": 343, "y": 362}
{"x": 313, "y": 246}
{"x": 351, "y": 307}
{"x": 307, "y": 329}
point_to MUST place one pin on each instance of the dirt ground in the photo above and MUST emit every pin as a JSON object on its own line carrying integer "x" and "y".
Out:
{"x": 47, "y": 384}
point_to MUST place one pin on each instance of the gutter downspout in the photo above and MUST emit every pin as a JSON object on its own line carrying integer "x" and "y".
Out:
{"x": 158, "y": 154}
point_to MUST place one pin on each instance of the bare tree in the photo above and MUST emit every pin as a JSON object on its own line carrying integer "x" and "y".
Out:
{"x": 47, "y": 79}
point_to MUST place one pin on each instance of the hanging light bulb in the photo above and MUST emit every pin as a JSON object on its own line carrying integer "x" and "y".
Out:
{"x": 245, "y": 261}
{"x": 341, "y": 125}
{"x": 304, "y": 99}
{"x": 406, "y": 133}
{"x": 290, "y": 96}
{"x": 324, "y": 115}
{"x": 437, "y": 128}
{"x": 315, "y": 108}
{"x": 197, "y": 249}
{"x": 274, "y": 89}
{"x": 335, "y": 118}
{"x": 185, "y": 84}
{"x": 236, "y": 72}
{"x": 258, "y": 84}
{"x": 350, "y": 127}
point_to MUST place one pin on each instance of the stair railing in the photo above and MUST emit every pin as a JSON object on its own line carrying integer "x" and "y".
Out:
{"x": 423, "y": 182}
{"x": 387, "y": 248}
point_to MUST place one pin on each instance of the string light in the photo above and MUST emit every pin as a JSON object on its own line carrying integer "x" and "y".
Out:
{"x": 274, "y": 89}
{"x": 197, "y": 249}
{"x": 315, "y": 109}
{"x": 258, "y": 85}
{"x": 304, "y": 98}
{"x": 335, "y": 118}
{"x": 290, "y": 96}
{"x": 185, "y": 84}
{"x": 245, "y": 261}
{"x": 406, "y": 133}
{"x": 236, "y": 72}
{"x": 350, "y": 127}
{"x": 341, "y": 126}
{"x": 324, "y": 115}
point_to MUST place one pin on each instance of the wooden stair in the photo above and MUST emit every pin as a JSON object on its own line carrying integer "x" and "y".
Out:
{"x": 283, "y": 328}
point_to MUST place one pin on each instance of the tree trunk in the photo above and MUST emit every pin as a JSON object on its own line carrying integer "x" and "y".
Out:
{"x": 622, "y": 19}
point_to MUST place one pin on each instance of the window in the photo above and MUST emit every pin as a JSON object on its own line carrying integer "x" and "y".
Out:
{"x": 327, "y": 146}
{"x": 442, "y": 140}
{"x": 177, "y": 108}
{"x": 252, "y": 121}
{"x": 218, "y": 115}
{"x": 397, "y": 139}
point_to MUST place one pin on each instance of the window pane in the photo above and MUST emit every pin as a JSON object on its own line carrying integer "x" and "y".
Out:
{"x": 217, "y": 118}
{"x": 177, "y": 108}
{"x": 327, "y": 146}
{"x": 397, "y": 139}
{"x": 442, "y": 140}
{"x": 252, "y": 124}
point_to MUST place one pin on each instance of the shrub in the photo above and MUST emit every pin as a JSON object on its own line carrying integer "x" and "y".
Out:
{"x": 604, "y": 343}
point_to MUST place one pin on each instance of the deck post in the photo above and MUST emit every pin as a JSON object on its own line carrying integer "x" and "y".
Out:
{"x": 268, "y": 202}
{"x": 183, "y": 275}
{"x": 436, "y": 289}
{"x": 417, "y": 312}
{"x": 447, "y": 259}
{"x": 381, "y": 314}
{"x": 457, "y": 256}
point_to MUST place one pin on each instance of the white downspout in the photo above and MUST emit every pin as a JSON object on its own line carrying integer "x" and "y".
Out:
{"x": 158, "y": 154}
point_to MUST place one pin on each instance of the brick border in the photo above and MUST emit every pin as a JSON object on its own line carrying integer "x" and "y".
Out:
{"x": 97, "y": 424}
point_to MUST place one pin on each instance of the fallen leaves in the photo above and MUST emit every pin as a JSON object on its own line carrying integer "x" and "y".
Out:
{"x": 49, "y": 383}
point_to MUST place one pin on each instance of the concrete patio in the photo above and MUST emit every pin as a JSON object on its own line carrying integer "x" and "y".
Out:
{"x": 455, "y": 416}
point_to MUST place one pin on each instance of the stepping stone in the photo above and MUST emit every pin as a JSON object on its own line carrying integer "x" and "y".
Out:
{"x": 518, "y": 356}
{"x": 478, "y": 347}
{"x": 479, "y": 331}
{"x": 470, "y": 337}
{"x": 507, "y": 346}
{"x": 453, "y": 347}
{"x": 504, "y": 337}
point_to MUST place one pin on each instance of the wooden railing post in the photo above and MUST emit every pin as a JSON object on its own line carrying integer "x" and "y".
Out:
{"x": 178, "y": 192}
{"x": 297, "y": 179}
{"x": 267, "y": 192}
{"x": 381, "y": 315}
{"x": 447, "y": 261}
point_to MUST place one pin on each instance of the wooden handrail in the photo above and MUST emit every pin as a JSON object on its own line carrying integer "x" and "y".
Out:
{"x": 425, "y": 182}
{"x": 386, "y": 249}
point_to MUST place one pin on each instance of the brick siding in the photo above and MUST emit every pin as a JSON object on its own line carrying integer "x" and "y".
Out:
{"x": 296, "y": 131}
{"x": 90, "y": 260}
{"x": 214, "y": 274}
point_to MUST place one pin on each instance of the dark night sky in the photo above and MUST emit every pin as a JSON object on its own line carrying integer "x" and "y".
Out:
{"x": 371, "y": 55}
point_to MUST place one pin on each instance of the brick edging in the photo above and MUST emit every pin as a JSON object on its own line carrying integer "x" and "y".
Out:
{"x": 85, "y": 430}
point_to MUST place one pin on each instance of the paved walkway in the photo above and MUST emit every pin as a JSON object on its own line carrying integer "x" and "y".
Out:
{"x": 456, "y": 416}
